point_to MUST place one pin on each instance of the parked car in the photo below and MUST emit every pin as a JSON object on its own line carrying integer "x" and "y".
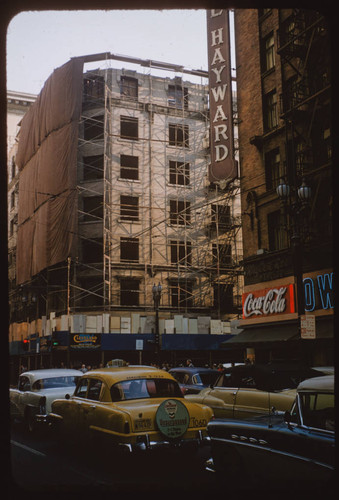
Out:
{"x": 134, "y": 407}
{"x": 31, "y": 400}
{"x": 193, "y": 380}
{"x": 248, "y": 390}
{"x": 291, "y": 451}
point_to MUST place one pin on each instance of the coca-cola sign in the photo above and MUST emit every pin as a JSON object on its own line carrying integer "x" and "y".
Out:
{"x": 268, "y": 302}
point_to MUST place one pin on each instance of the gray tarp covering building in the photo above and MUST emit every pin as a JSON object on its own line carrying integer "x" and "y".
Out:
{"x": 47, "y": 159}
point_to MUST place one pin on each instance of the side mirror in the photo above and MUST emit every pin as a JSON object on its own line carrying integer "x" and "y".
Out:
{"x": 67, "y": 396}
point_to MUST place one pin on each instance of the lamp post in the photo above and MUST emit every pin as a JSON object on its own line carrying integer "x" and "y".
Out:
{"x": 295, "y": 201}
{"x": 156, "y": 290}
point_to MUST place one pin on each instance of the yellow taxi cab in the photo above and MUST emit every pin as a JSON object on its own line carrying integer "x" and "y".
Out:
{"x": 136, "y": 407}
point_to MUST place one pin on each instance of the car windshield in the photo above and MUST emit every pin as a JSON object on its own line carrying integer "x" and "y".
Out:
{"x": 145, "y": 388}
{"x": 54, "y": 382}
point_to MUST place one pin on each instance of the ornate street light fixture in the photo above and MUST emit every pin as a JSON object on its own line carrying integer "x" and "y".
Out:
{"x": 156, "y": 290}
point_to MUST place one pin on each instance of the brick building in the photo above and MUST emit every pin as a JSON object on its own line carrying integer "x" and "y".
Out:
{"x": 284, "y": 107}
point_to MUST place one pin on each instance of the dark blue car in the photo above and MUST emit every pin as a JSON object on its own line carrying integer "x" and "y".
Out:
{"x": 290, "y": 452}
{"x": 193, "y": 379}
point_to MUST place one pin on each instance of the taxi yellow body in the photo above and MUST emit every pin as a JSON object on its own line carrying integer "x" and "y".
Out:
{"x": 138, "y": 407}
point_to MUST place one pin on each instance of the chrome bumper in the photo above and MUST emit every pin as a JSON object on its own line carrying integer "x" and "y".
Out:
{"x": 41, "y": 418}
{"x": 145, "y": 444}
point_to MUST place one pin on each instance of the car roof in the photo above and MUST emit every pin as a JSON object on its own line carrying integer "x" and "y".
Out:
{"x": 117, "y": 374}
{"x": 51, "y": 373}
{"x": 193, "y": 369}
{"x": 319, "y": 384}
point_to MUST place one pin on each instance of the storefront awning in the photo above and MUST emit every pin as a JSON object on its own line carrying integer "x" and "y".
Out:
{"x": 253, "y": 336}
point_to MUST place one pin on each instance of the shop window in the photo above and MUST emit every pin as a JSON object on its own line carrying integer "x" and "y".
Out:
{"x": 180, "y": 212}
{"x": 129, "y": 292}
{"x": 273, "y": 170}
{"x": 181, "y": 252}
{"x": 129, "y": 249}
{"x": 178, "y": 135}
{"x": 179, "y": 173}
{"x": 94, "y": 128}
{"x": 270, "y": 111}
{"x": 129, "y": 167}
{"x": 128, "y": 128}
{"x": 129, "y": 87}
{"x": 129, "y": 208}
{"x": 181, "y": 294}
{"x": 277, "y": 235}
{"x": 93, "y": 208}
{"x": 93, "y": 167}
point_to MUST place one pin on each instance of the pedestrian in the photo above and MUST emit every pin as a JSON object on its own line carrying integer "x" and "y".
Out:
{"x": 83, "y": 368}
{"x": 189, "y": 363}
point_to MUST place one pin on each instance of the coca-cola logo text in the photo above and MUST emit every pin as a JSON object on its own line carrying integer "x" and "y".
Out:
{"x": 271, "y": 301}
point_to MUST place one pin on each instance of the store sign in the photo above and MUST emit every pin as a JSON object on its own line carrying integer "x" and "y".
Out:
{"x": 85, "y": 341}
{"x": 319, "y": 292}
{"x": 222, "y": 164}
{"x": 307, "y": 326}
{"x": 268, "y": 302}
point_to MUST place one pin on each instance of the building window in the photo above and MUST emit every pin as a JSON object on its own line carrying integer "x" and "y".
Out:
{"x": 273, "y": 169}
{"x": 93, "y": 167}
{"x": 178, "y": 135}
{"x": 13, "y": 167}
{"x": 94, "y": 128}
{"x": 128, "y": 128}
{"x": 180, "y": 212}
{"x": 93, "y": 208}
{"x": 277, "y": 234}
{"x": 181, "y": 252}
{"x": 91, "y": 294}
{"x": 221, "y": 214}
{"x": 92, "y": 250}
{"x": 129, "y": 87}
{"x": 129, "y": 208}
{"x": 93, "y": 88}
{"x": 268, "y": 53}
{"x": 270, "y": 111}
{"x": 129, "y": 249}
{"x": 129, "y": 167}
{"x": 177, "y": 96}
{"x": 129, "y": 292}
{"x": 179, "y": 173}
{"x": 181, "y": 294}
{"x": 222, "y": 252}
{"x": 12, "y": 199}
{"x": 223, "y": 297}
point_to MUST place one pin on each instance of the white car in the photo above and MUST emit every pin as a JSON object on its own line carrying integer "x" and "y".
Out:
{"x": 37, "y": 389}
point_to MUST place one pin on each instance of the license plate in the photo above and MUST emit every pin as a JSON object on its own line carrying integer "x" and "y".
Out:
{"x": 142, "y": 424}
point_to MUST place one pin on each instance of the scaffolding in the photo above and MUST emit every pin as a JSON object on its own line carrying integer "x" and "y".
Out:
{"x": 187, "y": 229}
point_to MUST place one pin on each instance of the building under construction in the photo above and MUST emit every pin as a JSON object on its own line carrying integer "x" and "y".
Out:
{"x": 113, "y": 199}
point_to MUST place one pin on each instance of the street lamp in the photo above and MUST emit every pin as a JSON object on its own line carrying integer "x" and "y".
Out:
{"x": 295, "y": 201}
{"x": 156, "y": 290}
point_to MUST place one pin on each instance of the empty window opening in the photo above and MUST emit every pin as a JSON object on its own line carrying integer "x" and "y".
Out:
{"x": 93, "y": 88}
{"x": 93, "y": 208}
{"x": 181, "y": 252}
{"x": 129, "y": 208}
{"x": 223, "y": 254}
{"x": 179, "y": 173}
{"x": 180, "y": 212}
{"x": 93, "y": 167}
{"x": 92, "y": 250}
{"x": 129, "y": 87}
{"x": 178, "y": 96}
{"x": 94, "y": 128}
{"x": 129, "y": 292}
{"x": 181, "y": 294}
{"x": 128, "y": 127}
{"x": 129, "y": 249}
{"x": 221, "y": 214}
{"x": 129, "y": 167}
{"x": 178, "y": 135}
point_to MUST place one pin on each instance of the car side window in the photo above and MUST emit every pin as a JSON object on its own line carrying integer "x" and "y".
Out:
{"x": 94, "y": 389}
{"x": 24, "y": 384}
{"x": 81, "y": 389}
{"x": 318, "y": 410}
{"x": 186, "y": 379}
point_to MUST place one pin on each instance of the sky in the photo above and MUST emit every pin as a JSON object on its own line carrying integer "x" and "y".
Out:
{"x": 39, "y": 42}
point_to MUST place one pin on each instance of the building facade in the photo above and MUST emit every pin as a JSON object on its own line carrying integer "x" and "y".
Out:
{"x": 143, "y": 213}
{"x": 284, "y": 106}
